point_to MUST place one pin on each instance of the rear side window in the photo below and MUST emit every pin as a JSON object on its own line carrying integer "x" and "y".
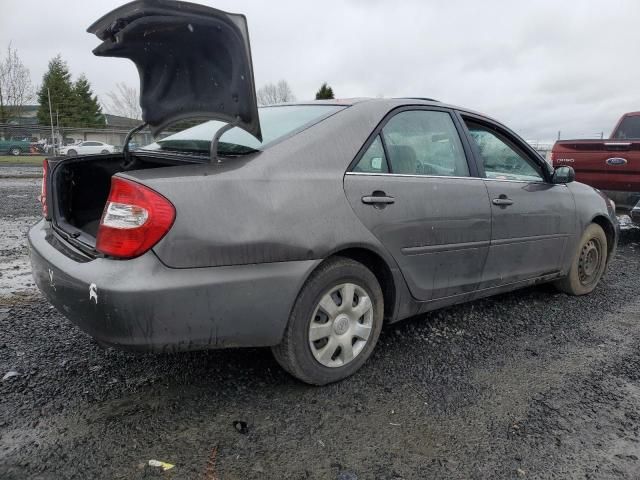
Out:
{"x": 423, "y": 142}
{"x": 374, "y": 160}
{"x": 629, "y": 128}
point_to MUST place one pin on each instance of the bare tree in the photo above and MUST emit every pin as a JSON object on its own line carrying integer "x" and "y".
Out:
{"x": 271, "y": 94}
{"x": 124, "y": 101}
{"x": 16, "y": 89}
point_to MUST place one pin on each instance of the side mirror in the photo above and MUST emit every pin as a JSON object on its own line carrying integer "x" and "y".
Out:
{"x": 564, "y": 174}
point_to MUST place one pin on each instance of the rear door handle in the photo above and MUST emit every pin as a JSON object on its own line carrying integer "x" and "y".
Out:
{"x": 377, "y": 200}
{"x": 502, "y": 201}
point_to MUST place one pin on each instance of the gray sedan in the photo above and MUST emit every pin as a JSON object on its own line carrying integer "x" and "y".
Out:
{"x": 301, "y": 227}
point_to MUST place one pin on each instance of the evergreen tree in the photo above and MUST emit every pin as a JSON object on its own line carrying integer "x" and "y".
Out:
{"x": 86, "y": 109}
{"x": 325, "y": 92}
{"x": 57, "y": 80}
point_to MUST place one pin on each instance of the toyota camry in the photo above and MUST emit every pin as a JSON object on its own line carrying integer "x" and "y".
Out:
{"x": 301, "y": 227}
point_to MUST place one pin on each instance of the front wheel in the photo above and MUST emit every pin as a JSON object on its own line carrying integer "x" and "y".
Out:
{"x": 104, "y": 152}
{"x": 72, "y": 153}
{"x": 334, "y": 324}
{"x": 15, "y": 151}
{"x": 589, "y": 262}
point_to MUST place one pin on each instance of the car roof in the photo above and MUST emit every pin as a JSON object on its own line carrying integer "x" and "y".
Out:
{"x": 391, "y": 103}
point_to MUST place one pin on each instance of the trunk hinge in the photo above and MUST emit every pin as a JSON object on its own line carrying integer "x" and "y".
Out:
{"x": 213, "y": 154}
{"x": 125, "y": 148}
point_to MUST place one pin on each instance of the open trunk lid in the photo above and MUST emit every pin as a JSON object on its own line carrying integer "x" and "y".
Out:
{"x": 193, "y": 61}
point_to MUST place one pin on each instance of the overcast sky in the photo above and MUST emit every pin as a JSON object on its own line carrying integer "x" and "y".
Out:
{"x": 538, "y": 66}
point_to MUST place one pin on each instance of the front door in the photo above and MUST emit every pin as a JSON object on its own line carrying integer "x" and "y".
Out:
{"x": 412, "y": 186}
{"x": 530, "y": 227}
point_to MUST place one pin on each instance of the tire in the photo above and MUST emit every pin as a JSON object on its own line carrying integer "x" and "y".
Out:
{"x": 588, "y": 264}
{"x": 302, "y": 357}
{"x": 15, "y": 151}
{"x": 104, "y": 152}
{"x": 72, "y": 153}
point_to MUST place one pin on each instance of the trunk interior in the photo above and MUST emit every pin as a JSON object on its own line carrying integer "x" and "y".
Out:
{"x": 80, "y": 188}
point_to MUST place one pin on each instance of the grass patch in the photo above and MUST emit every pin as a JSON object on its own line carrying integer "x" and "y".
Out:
{"x": 21, "y": 160}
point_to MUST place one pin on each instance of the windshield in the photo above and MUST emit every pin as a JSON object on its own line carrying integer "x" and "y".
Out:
{"x": 629, "y": 128}
{"x": 276, "y": 122}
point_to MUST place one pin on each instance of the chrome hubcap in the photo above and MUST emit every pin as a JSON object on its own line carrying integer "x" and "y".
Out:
{"x": 589, "y": 262}
{"x": 341, "y": 325}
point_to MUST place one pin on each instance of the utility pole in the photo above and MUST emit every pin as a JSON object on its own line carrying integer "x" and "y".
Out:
{"x": 58, "y": 130}
{"x": 558, "y": 134}
{"x": 53, "y": 146}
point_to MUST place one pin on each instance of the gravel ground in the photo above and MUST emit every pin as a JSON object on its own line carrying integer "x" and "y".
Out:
{"x": 532, "y": 384}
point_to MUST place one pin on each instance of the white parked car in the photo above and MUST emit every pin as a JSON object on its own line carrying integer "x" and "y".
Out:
{"x": 87, "y": 147}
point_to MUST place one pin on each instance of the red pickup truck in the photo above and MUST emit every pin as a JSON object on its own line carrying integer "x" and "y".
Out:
{"x": 612, "y": 165}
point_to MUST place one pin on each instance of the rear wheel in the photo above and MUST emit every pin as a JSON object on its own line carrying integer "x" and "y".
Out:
{"x": 334, "y": 324}
{"x": 588, "y": 263}
{"x": 104, "y": 151}
{"x": 15, "y": 151}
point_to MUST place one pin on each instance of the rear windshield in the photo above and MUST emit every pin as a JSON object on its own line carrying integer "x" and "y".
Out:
{"x": 629, "y": 128}
{"x": 276, "y": 122}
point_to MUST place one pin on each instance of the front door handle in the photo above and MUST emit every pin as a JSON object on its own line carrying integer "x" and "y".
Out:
{"x": 378, "y": 200}
{"x": 502, "y": 201}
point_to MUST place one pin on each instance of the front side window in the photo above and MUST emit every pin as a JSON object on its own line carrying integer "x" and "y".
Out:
{"x": 502, "y": 161}
{"x": 423, "y": 142}
{"x": 374, "y": 159}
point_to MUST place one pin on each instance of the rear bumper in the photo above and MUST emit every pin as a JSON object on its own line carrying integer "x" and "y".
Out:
{"x": 142, "y": 304}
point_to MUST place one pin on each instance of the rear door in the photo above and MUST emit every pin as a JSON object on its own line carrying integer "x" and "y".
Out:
{"x": 532, "y": 218}
{"x": 413, "y": 187}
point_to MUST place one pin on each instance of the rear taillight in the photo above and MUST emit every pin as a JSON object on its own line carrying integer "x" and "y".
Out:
{"x": 134, "y": 219}
{"x": 43, "y": 188}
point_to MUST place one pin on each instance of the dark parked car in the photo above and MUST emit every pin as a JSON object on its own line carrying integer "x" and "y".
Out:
{"x": 300, "y": 227}
{"x": 15, "y": 146}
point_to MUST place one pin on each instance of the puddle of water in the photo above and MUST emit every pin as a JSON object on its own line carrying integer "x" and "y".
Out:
{"x": 13, "y": 182}
{"x": 15, "y": 269}
{"x": 20, "y": 171}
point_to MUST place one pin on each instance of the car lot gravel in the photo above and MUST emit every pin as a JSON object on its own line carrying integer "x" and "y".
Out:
{"x": 531, "y": 384}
